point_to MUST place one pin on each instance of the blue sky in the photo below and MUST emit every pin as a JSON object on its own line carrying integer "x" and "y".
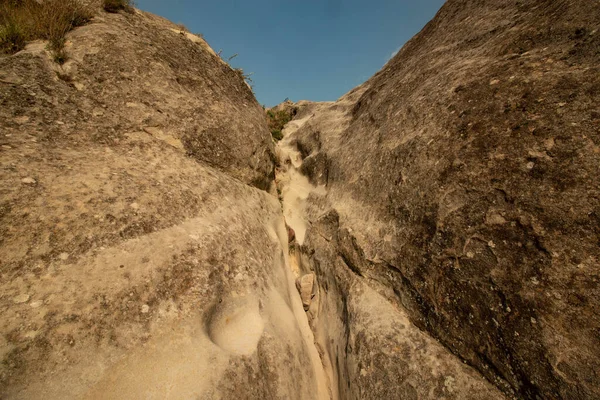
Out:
{"x": 305, "y": 50}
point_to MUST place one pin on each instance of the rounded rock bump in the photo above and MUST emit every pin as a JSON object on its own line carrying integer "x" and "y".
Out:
{"x": 235, "y": 325}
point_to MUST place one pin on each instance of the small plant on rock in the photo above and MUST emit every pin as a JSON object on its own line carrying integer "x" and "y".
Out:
{"x": 276, "y": 120}
{"x": 276, "y": 134}
{"x": 182, "y": 28}
{"x": 60, "y": 56}
{"x": 114, "y": 6}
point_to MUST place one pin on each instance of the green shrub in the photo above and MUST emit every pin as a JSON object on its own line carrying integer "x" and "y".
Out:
{"x": 276, "y": 122}
{"x": 276, "y": 134}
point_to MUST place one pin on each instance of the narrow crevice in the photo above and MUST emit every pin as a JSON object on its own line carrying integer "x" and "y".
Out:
{"x": 294, "y": 188}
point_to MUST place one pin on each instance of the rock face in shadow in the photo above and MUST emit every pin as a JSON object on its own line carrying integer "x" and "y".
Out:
{"x": 368, "y": 347}
{"x": 466, "y": 172}
{"x": 372, "y": 349}
{"x": 137, "y": 260}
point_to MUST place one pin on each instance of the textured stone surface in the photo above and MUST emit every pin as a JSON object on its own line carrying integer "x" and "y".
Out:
{"x": 374, "y": 351}
{"x": 465, "y": 175}
{"x": 128, "y": 213}
{"x": 444, "y": 216}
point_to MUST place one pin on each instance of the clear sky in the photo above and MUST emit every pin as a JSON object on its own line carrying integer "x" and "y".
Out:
{"x": 305, "y": 49}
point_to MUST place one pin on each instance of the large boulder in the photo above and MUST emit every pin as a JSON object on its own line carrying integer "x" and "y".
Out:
{"x": 138, "y": 257}
{"x": 466, "y": 174}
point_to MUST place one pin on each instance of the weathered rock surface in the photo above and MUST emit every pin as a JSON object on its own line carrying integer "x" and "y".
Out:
{"x": 463, "y": 180}
{"x": 136, "y": 258}
{"x": 443, "y": 218}
{"x": 137, "y": 74}
{"x": 372, "y": 348}
{"x": 368, "y": 346}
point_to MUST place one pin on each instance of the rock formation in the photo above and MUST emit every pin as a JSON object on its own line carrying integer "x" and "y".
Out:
{"x": 434, "y": 234}
{"x": 461, "y": 186}
{"x": 138, "y": 256}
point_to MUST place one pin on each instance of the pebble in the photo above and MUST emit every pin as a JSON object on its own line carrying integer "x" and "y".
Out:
{"x": 305, "y": 286}
{"x": 20, "y": 299}
{"x": 495, "y": 219}
{"x": 239, "y": 277}
{"x": 64, "y": 256}
{"x": 31, "y": 335}
{"x": 145, "y": 309}
{"x": 135, "y": 206}
{"x": 28, "y": 181}
{"x": 36, "y": 304}
{"x": 535, "y": 281}
{"x": 21, "y": 120}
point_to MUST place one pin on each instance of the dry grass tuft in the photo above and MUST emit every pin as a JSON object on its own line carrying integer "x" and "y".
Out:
{"x": 12, "y": 37}
{"x": 182, "y": 28}
{"x": 25, "y": 20}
